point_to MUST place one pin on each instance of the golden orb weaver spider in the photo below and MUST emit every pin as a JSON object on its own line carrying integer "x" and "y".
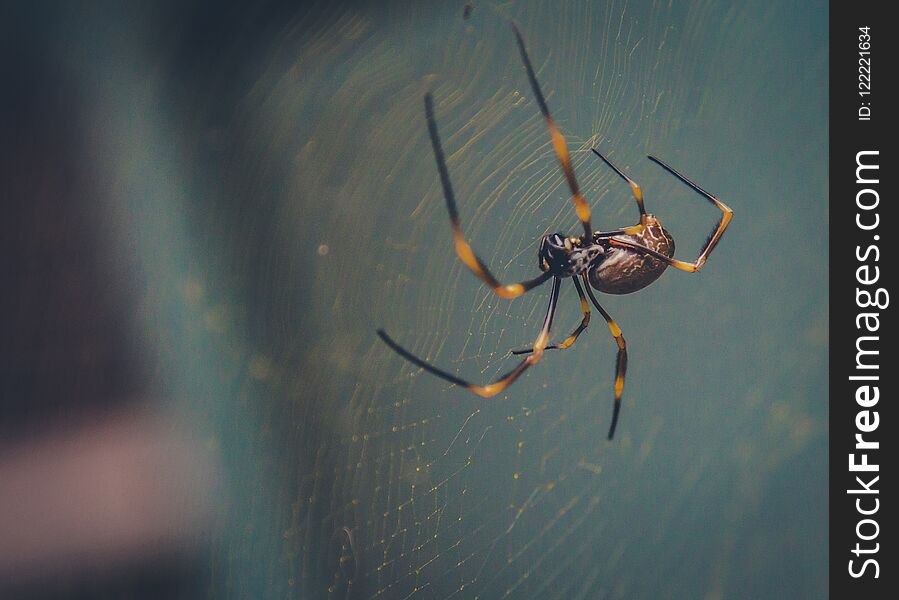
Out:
{"x": 620, "y": 261}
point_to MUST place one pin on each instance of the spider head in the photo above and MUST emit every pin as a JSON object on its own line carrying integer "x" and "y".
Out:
{"x": 564, "y": 256}
{"x": 553, "y": 254}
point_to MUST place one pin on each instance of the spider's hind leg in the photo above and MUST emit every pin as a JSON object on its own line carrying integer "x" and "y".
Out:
{"x": 711, "y": 242}
{"x": 635, "y": 188}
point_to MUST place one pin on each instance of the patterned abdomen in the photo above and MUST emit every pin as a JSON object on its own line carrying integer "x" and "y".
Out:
{"x": 624, "y": 270}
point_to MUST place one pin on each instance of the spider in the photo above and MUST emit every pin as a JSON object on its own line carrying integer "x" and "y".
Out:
{"x": 620, "y": 261}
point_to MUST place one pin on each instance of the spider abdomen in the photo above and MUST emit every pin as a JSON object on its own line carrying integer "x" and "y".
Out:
{"x": 624, "y": 270}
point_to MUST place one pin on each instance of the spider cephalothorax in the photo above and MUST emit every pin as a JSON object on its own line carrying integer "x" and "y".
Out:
{"x": 619, "y": 261}
{"x": 566, "y": 256}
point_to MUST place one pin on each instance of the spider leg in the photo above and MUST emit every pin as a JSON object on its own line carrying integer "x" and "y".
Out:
{"x": 491, "y": 389}
{"x": 620, "y": 359}
{"x": 558, "y": 140}
{"x": 717, "y": 232}
{"x": 585, "y": 322}
{"x": 638, "y": 196}
{"x": 710, "y": 243}
{"x": 463, "y": 248}
{"x": 638, "y": 193}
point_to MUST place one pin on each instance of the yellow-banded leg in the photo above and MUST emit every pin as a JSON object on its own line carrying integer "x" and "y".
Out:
{"x": 585, "y": 322}
{"x": 559, "y": 144}
{"x": 463, "y": 248}
{"x": 638, "y": 196}
{"x": 710, "y": 243}
{"x": 620, "y": 359}
{"x": 491, "y": 389}
{"x": 638, "y": 193}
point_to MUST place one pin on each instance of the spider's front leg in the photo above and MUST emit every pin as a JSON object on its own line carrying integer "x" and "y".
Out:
{"x": 463, "y": 249}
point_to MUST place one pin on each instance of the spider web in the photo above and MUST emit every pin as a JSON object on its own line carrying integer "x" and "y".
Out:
{"x": 356, "y": 475}
{"x": 448, "y": 495}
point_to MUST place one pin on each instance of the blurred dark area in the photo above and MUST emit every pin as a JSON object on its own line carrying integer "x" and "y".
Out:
{"x": 66, "y": 307}
{"x": 74, "y": 369}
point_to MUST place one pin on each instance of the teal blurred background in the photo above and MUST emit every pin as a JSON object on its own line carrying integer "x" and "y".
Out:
{"x": 265, "y": 177}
